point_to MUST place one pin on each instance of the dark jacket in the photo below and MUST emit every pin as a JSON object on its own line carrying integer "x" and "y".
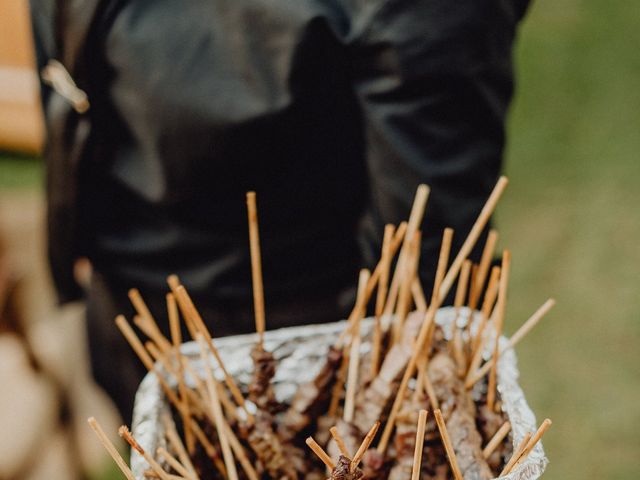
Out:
{"x": 332, "y": 110}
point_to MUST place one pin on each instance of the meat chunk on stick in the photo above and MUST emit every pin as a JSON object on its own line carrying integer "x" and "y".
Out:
{"x": 343, "y": 470}
{"x": 383, "y": 388}
{"x": 312, "y": 398}
{"x": 405, "y": 437}
{"x": 458, "y": 408}
{"x": 268, "y": 448}
{"x": 260, "y": 389}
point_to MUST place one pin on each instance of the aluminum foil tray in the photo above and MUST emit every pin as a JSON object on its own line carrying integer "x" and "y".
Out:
{"x": 300, "y": 352}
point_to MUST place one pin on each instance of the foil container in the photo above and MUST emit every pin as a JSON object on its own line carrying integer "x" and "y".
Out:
{"x": 300, "y": 352}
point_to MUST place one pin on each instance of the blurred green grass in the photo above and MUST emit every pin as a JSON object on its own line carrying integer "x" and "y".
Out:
{"x": 571, "y": 219}
{"x": 20, "y": 171}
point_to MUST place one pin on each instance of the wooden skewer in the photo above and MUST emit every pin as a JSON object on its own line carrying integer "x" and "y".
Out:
{"x": 497, "y": 439}
{"x": 149, "y": 473}
{"x": 240, "y": 454}
{"x": 211, "y": 451}
{"x": 450, "y": 277}
{"x": 174, "y": 282}
{"x": 457, "y": 343}
{"x": 354, "y": 356}
{"x": 183, "y": 299}
{"x": 443, "y": 259}
{"x": 110, "y": 447}
{"x": 418, "y": 295}
{"x": 200, "y": 386}
{"x": 144, "y": 357}
{"x": 422, "y": 372}
{"x": 428, "y": 386}
{"x": 423, "y": 383}
{"x": 177, "y": 445}
{"x": 515, "y": 339}
{"x": 145, "y": 326}
{"x": 483, "y": 268}
{"x": 236, "y": 446}
{"x": 532, "y": 443}
{"x": 489, "y": 299}
{"x": 191, "y": 395}
{"x": 216, "y": 409}
{"x": 422, "y": 343}
{"x": 322, "y": 455}
{"x": 474, "y": 234}
{"x": 472, "y": 307}
{"x": 530, "y": 323}
{"x": 516, "y": 454}
{"x": 373, "y": 281}
{"x": 175, "y": 464}
{"x": 340, "y": 442}
{"x": 176, "y": 340}
{"x": 488, "y": 304}
{"x": 144, "y": 312}
{"x": 174, "y": 322}
{"x": 229, "y": 406}
{"x": 256, "y": 266}
{"x": 338, "y": 386}
{"x": 446, "y": 440}
{"x": 126, "y": 435}
{"x": 473, "y": 280}
{"x": 404, "y": 299}
{"x": 415, "y": 219}
{"x": 398, "y": 238}
{"x": 463, "y": 282}
{"x": 476, "y": 360}
{"x": 417, "y": 454}
{"x": 383, "y": 283}
{"x": 502, "y": 303}
{"x": 364, "y": 446}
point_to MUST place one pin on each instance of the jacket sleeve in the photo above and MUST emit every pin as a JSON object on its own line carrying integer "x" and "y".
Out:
{"x": 63, "y": 133}
{"x": 434, "y": 80}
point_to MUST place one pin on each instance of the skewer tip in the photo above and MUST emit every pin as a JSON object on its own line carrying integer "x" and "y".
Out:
{"x": 173, "y": 281}
{"x": 124, "y": 432}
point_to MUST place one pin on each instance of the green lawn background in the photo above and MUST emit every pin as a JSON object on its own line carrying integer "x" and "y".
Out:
{"x": 571, "y": 217}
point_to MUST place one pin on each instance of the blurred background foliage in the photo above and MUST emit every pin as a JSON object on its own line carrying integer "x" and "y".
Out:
{"x": 571, "y": 218}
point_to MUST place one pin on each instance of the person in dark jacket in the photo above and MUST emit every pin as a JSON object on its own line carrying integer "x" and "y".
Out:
{"x": 166, "y": 113}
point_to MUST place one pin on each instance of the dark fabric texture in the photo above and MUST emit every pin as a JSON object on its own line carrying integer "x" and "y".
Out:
{"x": 332, "y": 110}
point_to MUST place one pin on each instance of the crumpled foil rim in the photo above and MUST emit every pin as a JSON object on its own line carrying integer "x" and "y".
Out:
{"x": 300, "y": 352}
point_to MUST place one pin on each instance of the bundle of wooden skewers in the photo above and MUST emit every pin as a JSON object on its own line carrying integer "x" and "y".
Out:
{"x": 219, "y": 430}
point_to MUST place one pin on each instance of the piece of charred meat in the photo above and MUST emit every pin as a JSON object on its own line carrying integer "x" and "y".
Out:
{"x": 405, "y": 438}
{"x": 488, "y": 423}
{"x": 268, "y": 449}
{"x": 312, "y": 398}
{"x": 378, "y": 395}
{"x": 260, "y": 389}
{"x": 342, "y": 471}
{"x": 277, "y": 458}
{"x": 458, "y": 410}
